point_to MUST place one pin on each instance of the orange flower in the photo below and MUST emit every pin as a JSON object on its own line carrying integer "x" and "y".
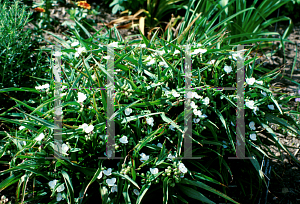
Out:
{"x": 84, "y": 4}
{"x": 39, "y": 9}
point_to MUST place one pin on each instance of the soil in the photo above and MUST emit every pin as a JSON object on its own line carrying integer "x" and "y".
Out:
{"x": 284, "y": 178}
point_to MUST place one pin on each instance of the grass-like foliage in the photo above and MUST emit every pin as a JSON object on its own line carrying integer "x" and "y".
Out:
{"x": 149, "y": 121}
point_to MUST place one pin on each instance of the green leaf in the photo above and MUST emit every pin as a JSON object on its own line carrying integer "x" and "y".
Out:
{"x": 143, "y": 192}
{"x": 168, "y": 120}
{"x": 69, "y": 186}
{"x": 9, "y": 181}
{"x": 257, "y": 168}
{"x": 126, "y": 193}
{"x": 166, "y": 190}
{"x": 127, "y": 178}
{"x": 206, "y": 187}
{"x": 194, "y": 194}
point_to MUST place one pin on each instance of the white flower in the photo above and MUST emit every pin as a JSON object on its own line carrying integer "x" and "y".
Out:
{"x": 74, "y": 44}
{"x": 114, "y": 188}
{"x": 111, "y": 182}
{"x": 154, "y": 170}
{"x": 196, "y": 120}
{"x": 212, "y": 62}
{"x": 114, "y": 44}
{"x": 128, "y": 111}
{"x": 259, "y": 82}
{"x": 144, "y": 157}
{"x": 236, "y": 56}
{"x": 59, "y": 197}
{"x": 197, "y": 112}
{"x": 87, "y": 128}
{"x": 171, "y": 157}
{"x": 136, "y": 192}
{"x": 195, "y": 95}
{"x": 182, "y": 168}
{"x": 142, "y": 45}
{"x": 40, "y": 137}
{"x": 193, "y": 105}
{"x": 175, "y": 94}
{"x": 123, "y": 140}
{"x": 253, "y": 136}
{"x": 107, "y": 57}
{"x": 250, "y": 104}
{"x": 65, "y": 148}
{"x": 151, "y": 62}
{"x": 159, "y": 145}
{"x": 197, "y": 51}
{"x": 109, "y": 152}
{"x": 172, "y": 127}
{"x": 21, "y": 127}
{"x": 227, "y": 69}
{"x": 79, "y": 50}
{"x": 150, "y": 121}
{"x": 52, "y": 183}
{"x": 107, "y": 172}
{"x": 176, "y": 52}
{"x": 271, "y": 107}
{"x": 161, "y": 52}
{"x": 60, "y": 188}
{"x": 100, "y": 175}
{"x": 250, "y": 81}
{"x": 255, "y": 109}
{"x": 203, "y": 116}
{"x": 263, "y": 93}
{"x": 252, "y": 125}
{"x": 206, "y": 101}
{"x": 58, "y": 112}
{"x": 45, "y": 86}
{"x": 163, "y": 64}
{"x": 57, "y": 53}
{"x": 81, "y": 97}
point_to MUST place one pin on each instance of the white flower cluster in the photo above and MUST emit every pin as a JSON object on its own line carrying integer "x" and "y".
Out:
{"x": 110, "y": 182}
{"x": 59, "y": 189}
{"x": 45, "y": 86}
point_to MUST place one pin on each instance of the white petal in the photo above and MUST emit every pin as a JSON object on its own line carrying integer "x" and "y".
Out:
{"x": 111, "y": 182}
{"x": 21, "y": 127}
{"x": 123, "y": 140}
{"x": 40, "y": 137}
{"x": 100, "y": 175}
{"x": 60, "y": 188}
{"x": 253, "y": 136}
{"x": 107, "y": 172}
{"x": 154, "y": 170}
{"x": 250, "y": 81}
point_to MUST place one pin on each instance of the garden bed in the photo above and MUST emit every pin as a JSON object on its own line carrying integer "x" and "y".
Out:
{"x": 285, "y": 176}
